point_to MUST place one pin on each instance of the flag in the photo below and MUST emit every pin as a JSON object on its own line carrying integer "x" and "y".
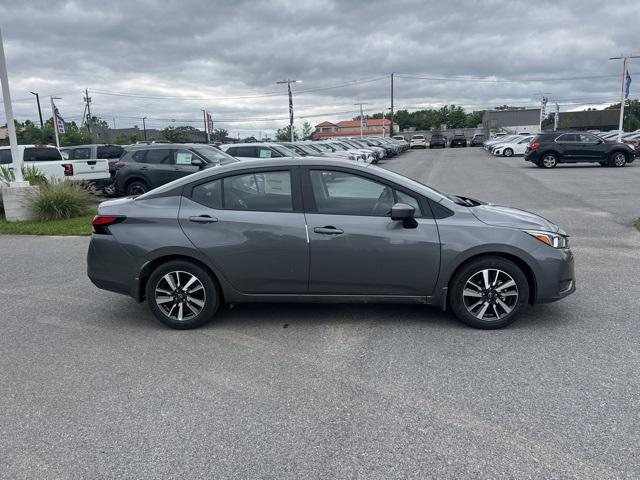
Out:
{"x": 209, "y": 124}
{"x": 290, "y": 104}
{"x": 57, "y": 119}
{"x": 628, "y": 84}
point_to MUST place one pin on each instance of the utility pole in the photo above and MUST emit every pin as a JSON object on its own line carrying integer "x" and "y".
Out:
{"x": 556, "y": 118}
{"x": 288, "y": 81}
{"x": 39, "y": 111}
{"x": 543, "y": 105}
{"x": 362, "y": 117}
{"x": 144, "y": 127}
{"x": 87, "y": 100}
{"x": 114, "y": 123}
{"x": 391, "y": 127}
{"x": 623, "y": 92}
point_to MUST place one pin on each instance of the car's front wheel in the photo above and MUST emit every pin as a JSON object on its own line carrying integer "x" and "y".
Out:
{"x": 508, "y": 152}
{"x": 182, "y": 295}
{"x": 488, "y": 292}
{"x": 137, "y": 187}
{"x": 617, "y": 159}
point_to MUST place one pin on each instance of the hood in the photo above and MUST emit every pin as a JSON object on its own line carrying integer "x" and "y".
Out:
{"x": 512, "y": 217}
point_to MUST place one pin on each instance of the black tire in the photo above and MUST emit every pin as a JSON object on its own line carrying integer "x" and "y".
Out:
{"x": 472, "y": 269}
{"x": 137, "y": 187}
{"x": 508, "y": 152}
{"x": 208, "y": 295}
{"x": 549, "y": 160}
{"x": 604, "y": 164}
{"x": 617, "y": 159}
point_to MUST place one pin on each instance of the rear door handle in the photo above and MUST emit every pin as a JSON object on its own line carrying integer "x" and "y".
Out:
{"x": 328, "y": 230}
{"x": 203, "y": 219}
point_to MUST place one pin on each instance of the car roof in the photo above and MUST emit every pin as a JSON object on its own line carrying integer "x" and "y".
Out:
{"x": 93, "y": 145}
{"x": 167, "y": 145}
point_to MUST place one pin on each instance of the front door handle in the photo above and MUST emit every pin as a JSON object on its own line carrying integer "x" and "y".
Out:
{"x": 203, "y": 219}
{"x": 328, "y": 230}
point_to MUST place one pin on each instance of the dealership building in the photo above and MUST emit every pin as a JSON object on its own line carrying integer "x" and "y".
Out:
{"x": 351, "y": 128}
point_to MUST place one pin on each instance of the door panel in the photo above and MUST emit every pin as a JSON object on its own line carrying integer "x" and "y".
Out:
{"x": 374, "y": 255}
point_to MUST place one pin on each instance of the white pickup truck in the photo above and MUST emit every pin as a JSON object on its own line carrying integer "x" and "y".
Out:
{"x": 48, "y": 160}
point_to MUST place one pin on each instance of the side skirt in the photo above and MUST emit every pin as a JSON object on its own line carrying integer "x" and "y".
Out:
{"x": 318, "y": 298}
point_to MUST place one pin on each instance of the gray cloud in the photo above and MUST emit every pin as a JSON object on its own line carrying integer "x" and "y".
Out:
{"x": 206, "y": 50}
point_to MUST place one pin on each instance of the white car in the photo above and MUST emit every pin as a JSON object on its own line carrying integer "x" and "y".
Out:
{"x": 252, "y": 151}
{"x": 514, "y": 147}
{"x": 418, "y": 141}
{"x": 51, "y": 163}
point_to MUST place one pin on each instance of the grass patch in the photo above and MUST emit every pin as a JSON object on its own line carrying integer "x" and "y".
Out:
{"x": 637, "y": 224}
{"x": 69, "y": 226}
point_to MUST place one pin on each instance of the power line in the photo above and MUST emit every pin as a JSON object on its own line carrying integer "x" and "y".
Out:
{"x": 467, "y": 78}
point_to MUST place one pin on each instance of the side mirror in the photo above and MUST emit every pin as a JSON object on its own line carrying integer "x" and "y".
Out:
{"x": 402, "y": 211}
{"x": 197, "y": 162}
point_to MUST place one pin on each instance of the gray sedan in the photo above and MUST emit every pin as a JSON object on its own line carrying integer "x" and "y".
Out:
{"x": 318, "y": 230}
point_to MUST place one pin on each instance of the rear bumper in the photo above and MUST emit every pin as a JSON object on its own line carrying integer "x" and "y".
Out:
{"x": 110, "y": 267}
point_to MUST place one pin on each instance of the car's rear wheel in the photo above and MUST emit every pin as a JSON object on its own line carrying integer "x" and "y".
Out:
{"x": 182, "y": 295}
{"x": 137, "y": 187}
{"x": 617, "y": 159}
{"x": 489, "y": 292}
{"x": 549, "y": 160}
{"x": 508, "y": 152}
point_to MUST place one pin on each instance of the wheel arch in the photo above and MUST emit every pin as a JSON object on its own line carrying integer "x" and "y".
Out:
{"x": 150, "y": 266}
{"x": 519, "y": 261}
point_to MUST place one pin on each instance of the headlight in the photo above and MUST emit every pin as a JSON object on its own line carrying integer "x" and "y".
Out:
{"x": 554, "y": 240}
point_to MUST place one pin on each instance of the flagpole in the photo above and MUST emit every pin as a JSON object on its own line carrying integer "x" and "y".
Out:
{"x": 624, "y": 79}
{"x": 55, "y": 122}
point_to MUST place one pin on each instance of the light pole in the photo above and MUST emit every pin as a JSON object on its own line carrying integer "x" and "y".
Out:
{"x": 361, "y": 117}
{"x": 39, "y": 111}
{"x": 622, "y": 89}
{"x": 144, "y": 127}
{"x": 55, "y": 120}
{"x": 288, "y": 81}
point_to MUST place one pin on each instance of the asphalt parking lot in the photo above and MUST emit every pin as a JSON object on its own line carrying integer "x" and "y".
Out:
{"x": 91, "y": 386}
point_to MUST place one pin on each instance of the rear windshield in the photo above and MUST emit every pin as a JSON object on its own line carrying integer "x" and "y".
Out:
{"x": 214, "y": 155}
{"x": 417, "y": 137}
{"x": 41, "y": 154}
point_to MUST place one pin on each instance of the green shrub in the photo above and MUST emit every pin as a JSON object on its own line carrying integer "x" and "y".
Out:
{"x": 58, "y": 201}
{"x": 31, "y": 174}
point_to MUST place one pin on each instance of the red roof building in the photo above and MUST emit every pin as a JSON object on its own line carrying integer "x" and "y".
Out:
{"x": 351, "y": 128}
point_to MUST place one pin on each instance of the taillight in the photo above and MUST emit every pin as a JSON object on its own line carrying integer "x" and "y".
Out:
{"x": 534, "y": 146}
{"x": 101, "y": 222}
{"x": 68, "y": 169}
{"x": 118, "y": 165}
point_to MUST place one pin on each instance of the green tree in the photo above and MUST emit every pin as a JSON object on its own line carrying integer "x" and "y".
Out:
{"x": 219, "y": 135}
{"x": 122, "y": 139}
{"x": 176, "y": 134}
{"x": 631, "y": 121}
{"x": 284, "y": 134}
{"x": 307, "y": 131}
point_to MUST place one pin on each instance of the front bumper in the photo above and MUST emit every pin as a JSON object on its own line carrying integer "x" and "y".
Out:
{"x": 554, "y": 272}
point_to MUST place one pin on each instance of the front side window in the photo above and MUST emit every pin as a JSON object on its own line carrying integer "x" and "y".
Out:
{"x": 588, "y": 138}
{"x": 267, "y": 153}
{"x": 249, "y": 152}
{"x": 341, "y": 193}
{"x": 183, "y": 157}
{"x": 259, "y": 191}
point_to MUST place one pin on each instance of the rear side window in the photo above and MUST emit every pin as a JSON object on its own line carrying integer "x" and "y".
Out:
{"x": 5, "y": 156}
{"x": 568, "y": 137}
{"x": 139, "y": 156}
{"x": 41, "y": 154}
{"x": 209, "y": 194}
{"x": 110, "y": 151}
{"x": 260, "y": 191}
{"x": 159, "y": 156}
{"x": 80, "y": 154}
{"x": 245, "y": 152}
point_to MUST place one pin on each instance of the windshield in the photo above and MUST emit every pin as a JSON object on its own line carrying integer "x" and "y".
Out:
{"x": 323, "y": 147}
{"x": 410, "y": 181}
{"x": 284, "y": 151}
{"x": 215, "y": 156}
{"x": 312, "y": 149}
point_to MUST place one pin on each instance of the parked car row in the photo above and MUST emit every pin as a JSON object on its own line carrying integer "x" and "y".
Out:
{"x": 548, "y": 149}
{"x": 438, "y": 140}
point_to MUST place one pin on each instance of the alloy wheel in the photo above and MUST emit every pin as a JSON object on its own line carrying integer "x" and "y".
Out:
{"x": 180, "y": 295}
{"x": 490, "y": 294}
{"x": 619, "y": 159}
{"x": 137, "y": 189}
{"x": 549, "y": 161}
{"x": 508, "y": 152}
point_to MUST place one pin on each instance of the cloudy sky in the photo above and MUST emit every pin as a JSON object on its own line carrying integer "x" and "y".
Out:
{"x": 168, "y": 59}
